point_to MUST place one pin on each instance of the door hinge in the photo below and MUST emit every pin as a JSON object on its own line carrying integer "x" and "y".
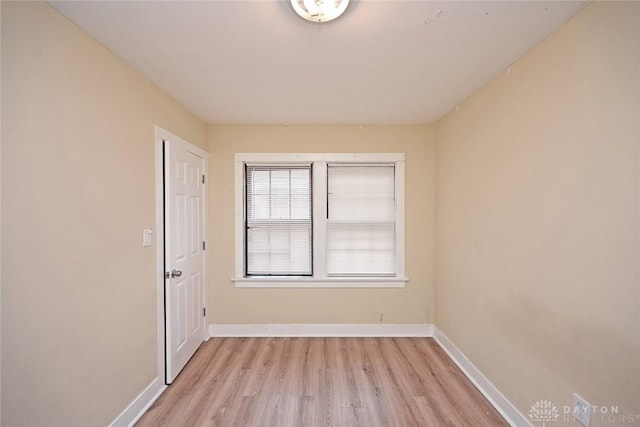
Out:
{"x": 204, "y": 246}
{"x": 203, "y": 179}
{"x": 204, "y": 311}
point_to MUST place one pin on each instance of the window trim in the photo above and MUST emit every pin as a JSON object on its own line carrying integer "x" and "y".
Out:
{"x": 319, "y": 182}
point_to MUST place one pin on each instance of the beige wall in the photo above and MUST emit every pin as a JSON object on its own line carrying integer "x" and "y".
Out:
{"x": 538, "y": 218}
{"x": 412, "y": 304}
{"x": 78, "y": 289}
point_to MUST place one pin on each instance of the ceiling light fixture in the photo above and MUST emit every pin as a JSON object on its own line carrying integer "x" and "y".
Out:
{"x": 319, "y": 10}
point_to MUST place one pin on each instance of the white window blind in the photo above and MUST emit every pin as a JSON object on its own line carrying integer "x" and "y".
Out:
{"x": 361, "y": 220}
{"x": 278, "y": 220}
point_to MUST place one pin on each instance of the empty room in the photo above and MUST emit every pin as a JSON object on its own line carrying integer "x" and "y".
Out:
{"x": 320, "y": 213}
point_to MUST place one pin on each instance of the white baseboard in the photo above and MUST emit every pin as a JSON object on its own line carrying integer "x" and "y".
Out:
{"x": 509, "y": 412}
{"x": 140, "y": 404}
{"x": 322, "y": 330}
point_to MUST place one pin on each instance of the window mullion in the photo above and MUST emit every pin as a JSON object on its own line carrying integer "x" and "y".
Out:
{"x": 319, "y": 219}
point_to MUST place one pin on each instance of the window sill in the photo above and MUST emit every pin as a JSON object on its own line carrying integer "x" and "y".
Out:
{"x": 332, "y": 282}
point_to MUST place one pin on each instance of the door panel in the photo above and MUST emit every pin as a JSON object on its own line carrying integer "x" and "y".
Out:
{"x": 184, "y": 234}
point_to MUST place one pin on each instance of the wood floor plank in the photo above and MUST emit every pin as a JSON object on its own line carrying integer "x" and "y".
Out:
{"x": 300, "y": 382}
{"x": 436, "y": 402}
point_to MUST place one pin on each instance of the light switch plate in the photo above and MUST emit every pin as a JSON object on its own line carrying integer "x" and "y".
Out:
{"x": 146, "y": 237}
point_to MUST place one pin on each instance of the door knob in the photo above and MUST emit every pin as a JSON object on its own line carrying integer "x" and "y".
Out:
{"x": 176, "y": 273}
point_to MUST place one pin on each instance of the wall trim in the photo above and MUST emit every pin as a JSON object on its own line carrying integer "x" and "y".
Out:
{"x": 159, "y": 135}
{"x": 508, "y": 411}
{"x": 140, "y": 404}
{"x": 321, "y": 330}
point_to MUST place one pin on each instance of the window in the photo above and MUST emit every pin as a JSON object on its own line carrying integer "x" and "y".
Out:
{"x": 278, "y": 220}
{"x": 361, "y": 220}
{"x": 319, "y": 220}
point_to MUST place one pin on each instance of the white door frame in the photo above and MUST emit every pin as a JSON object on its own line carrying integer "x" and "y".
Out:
{"x": 160, "y": 136}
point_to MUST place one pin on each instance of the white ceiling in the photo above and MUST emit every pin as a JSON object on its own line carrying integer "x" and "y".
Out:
{"x": 382, "y": 62}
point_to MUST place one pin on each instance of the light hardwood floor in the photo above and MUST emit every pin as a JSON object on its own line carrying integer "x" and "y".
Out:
{"x": 321, "y": 382}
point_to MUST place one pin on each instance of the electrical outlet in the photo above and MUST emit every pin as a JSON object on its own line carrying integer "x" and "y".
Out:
{"x": 581, "y": 410}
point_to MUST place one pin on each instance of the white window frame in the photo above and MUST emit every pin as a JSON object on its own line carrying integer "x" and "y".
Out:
{"x": 319, "y": 182}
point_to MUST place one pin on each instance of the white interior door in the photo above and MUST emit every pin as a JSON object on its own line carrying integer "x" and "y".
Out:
{"x": 184, "y": 170}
